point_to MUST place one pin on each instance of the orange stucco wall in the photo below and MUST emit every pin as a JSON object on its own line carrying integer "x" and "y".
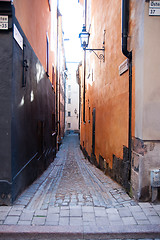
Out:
{"x": 35, "y": 20}
{"x": 106, "y": 90}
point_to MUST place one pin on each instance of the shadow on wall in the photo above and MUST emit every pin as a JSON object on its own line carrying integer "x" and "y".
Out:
{"x": 30, "y": 102}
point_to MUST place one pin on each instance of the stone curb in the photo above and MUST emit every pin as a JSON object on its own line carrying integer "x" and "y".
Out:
{"x": 13, "y": 232}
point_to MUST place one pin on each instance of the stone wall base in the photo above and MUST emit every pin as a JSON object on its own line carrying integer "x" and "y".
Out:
{"x": 145, "y": 157}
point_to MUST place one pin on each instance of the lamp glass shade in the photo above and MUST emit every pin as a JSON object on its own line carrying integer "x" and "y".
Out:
{"x": 84, "y": 37}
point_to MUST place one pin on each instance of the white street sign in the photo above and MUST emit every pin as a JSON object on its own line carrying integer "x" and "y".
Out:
{"x": 17, "y": 36}
{"x": 123, "y": 67}
{"x": 154, "y": 8}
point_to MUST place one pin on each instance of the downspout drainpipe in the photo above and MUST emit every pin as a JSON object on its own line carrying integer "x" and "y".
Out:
{"x": 57, "y": 79}
{"x": 125, "y": 23}
{"x": 84, "y": 88}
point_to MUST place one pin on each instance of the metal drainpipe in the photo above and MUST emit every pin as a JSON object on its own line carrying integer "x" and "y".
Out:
{"x": 57, "y": 126}
{"x": 125, "y": 21}
{"x": 84, "y": 87}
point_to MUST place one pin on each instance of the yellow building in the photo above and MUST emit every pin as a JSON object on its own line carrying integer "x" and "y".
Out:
{"x": 120, "y": 126}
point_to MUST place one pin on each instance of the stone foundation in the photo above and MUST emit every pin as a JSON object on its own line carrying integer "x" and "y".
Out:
{"x": 120, "y": 171}
{"x": 145, "y": 157}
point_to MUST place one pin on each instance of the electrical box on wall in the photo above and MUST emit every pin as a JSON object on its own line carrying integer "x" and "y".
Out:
{"x": 155, "y": 178}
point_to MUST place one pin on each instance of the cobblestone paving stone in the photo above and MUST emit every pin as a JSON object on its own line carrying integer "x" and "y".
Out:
{"x": 74, "y": 192}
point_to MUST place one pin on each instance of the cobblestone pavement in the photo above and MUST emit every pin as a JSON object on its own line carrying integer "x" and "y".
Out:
{"x": 72, "y": 192}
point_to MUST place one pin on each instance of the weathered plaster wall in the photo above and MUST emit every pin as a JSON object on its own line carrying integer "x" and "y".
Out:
{"x": 40, "y": 18}
{"x": 32, "y": 108}
{"x": 145, "y": 155}
{"x": 147, "y": 50}
{"x": 6, "y": 49}
{"x": 106, "y": 90}
{"x": 26, "y": 114}
{"x": 151, "y": 100}
{"x": 137, "y": 45}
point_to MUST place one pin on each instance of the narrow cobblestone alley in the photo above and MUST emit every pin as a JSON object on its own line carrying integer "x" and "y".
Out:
{"x": 74, "y": 193}
{"x": 72, "y": 181}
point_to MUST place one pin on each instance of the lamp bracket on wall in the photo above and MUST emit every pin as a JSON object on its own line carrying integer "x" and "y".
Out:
{"x": 100, "y": 56}
{"x": 84, "y": 37}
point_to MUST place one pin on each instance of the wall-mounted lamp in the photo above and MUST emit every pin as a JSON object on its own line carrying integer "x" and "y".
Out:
{"x": 84, "y": 38}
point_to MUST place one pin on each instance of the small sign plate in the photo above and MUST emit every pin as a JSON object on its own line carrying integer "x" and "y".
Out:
{"x": 154, "y": 8}
{"x": 18, "y": 37}
{"x": 3, "y": 22}
{"x": 123, "y": 67}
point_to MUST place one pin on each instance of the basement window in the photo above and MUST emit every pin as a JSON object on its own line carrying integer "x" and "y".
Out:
{"x": 89, "y": 115}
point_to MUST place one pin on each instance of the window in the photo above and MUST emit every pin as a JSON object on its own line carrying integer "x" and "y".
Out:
{"x": 53, "y": 122}
{"x": 53, "y": 77}
{"x": 47, "y": 55}
{"x": 69, "y": 100}
{"x": 69, "y": 114}
{"x": 89, "y": 115}
{"x": 69, "y": 87}
{"x": 69, "y": 125}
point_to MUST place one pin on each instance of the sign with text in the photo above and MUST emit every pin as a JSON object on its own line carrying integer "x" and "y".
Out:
{"x": 17, "y": 36}
{"x": 3, "y": 22}
{"x": 154, "y": 8}
{"x": 123, "y": 67}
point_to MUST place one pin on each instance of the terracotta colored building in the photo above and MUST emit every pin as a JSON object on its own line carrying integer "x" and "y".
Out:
{"x": 120, "y": 126}
{"x": 28, "y": 92}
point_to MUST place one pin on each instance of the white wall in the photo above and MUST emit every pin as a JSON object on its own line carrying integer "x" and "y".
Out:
{"x": 147, "y": 76}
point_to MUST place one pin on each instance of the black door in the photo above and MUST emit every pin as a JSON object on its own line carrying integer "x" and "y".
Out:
{"x": 93, "y": 130}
